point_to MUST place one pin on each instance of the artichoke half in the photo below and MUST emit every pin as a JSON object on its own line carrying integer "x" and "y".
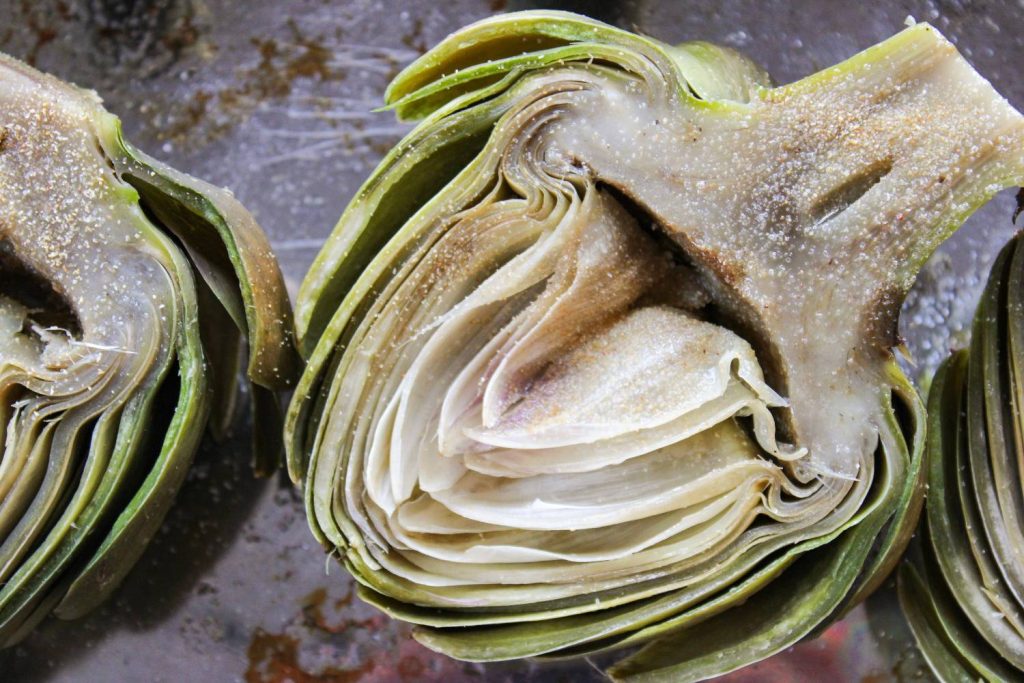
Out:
{"x": 127, "y": 290}
{"x": 600, "y": 355}
{"x": 962, "y": 588}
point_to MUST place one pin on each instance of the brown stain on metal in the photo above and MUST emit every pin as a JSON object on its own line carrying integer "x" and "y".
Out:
{"x": 184, "y": 34}
{"x": 313, "y": 61}
{"x": 313, "y": 609}
{"x": 277, "y": 657}
{"x": 274, "y": 658}
{"x": 212, "y": 113}
{"x": 414, "y": 39}
{"x": 410, "y": 668}
{"x": 43, "y": 34}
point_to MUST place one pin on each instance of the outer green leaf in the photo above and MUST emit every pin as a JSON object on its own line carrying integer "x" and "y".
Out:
{"x": 972, "y": 559}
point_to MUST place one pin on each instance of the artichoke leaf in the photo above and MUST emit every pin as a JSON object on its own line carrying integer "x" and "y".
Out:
{"x": 970, "y": 561}
{"x": 952, "y": 647}
{"x": 114, "y": 273}
{"x": 601, "y": 354}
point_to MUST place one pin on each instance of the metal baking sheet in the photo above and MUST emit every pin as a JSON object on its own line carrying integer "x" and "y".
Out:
{"x": 274, "y": 99}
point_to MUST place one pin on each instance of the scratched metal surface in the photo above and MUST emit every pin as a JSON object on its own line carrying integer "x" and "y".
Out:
{"x": 273, "y": 99}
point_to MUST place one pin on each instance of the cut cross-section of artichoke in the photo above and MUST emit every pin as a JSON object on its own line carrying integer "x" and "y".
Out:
{"x": 127, "y": 291}
{"x": 603, "y": 347}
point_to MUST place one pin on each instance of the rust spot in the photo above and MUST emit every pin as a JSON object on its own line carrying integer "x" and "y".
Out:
{"x": 5, "y": 141}
{"x": 874, "y": 678}
{"x": 63, "y": 10}
{"x": 193, "y": 114}
{"x": 312, "y": 649}
{"x": 43, "y": 34}
{"x": 312, "y": 62}
{"x": 314, "y": 606}
{"x": 211, "y": 114}
{"x": 410, "y": 668}
{"x": 414, "y": 39}
{"x": 184, "y": 34}
{"x": 274, "y": 658}
{"x": 313, "y": 610}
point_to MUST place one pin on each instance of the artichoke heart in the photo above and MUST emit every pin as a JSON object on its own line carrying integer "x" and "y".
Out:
{"x": 127, "y": 291}
{"x": 600, "y": 355}
{"x": 962, "y": 585}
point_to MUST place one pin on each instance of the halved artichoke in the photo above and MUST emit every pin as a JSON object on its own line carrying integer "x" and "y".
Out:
{"x": 601, "y": 353}
{"x": 126, "y": 289}
{"x": 962, "y": 588}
